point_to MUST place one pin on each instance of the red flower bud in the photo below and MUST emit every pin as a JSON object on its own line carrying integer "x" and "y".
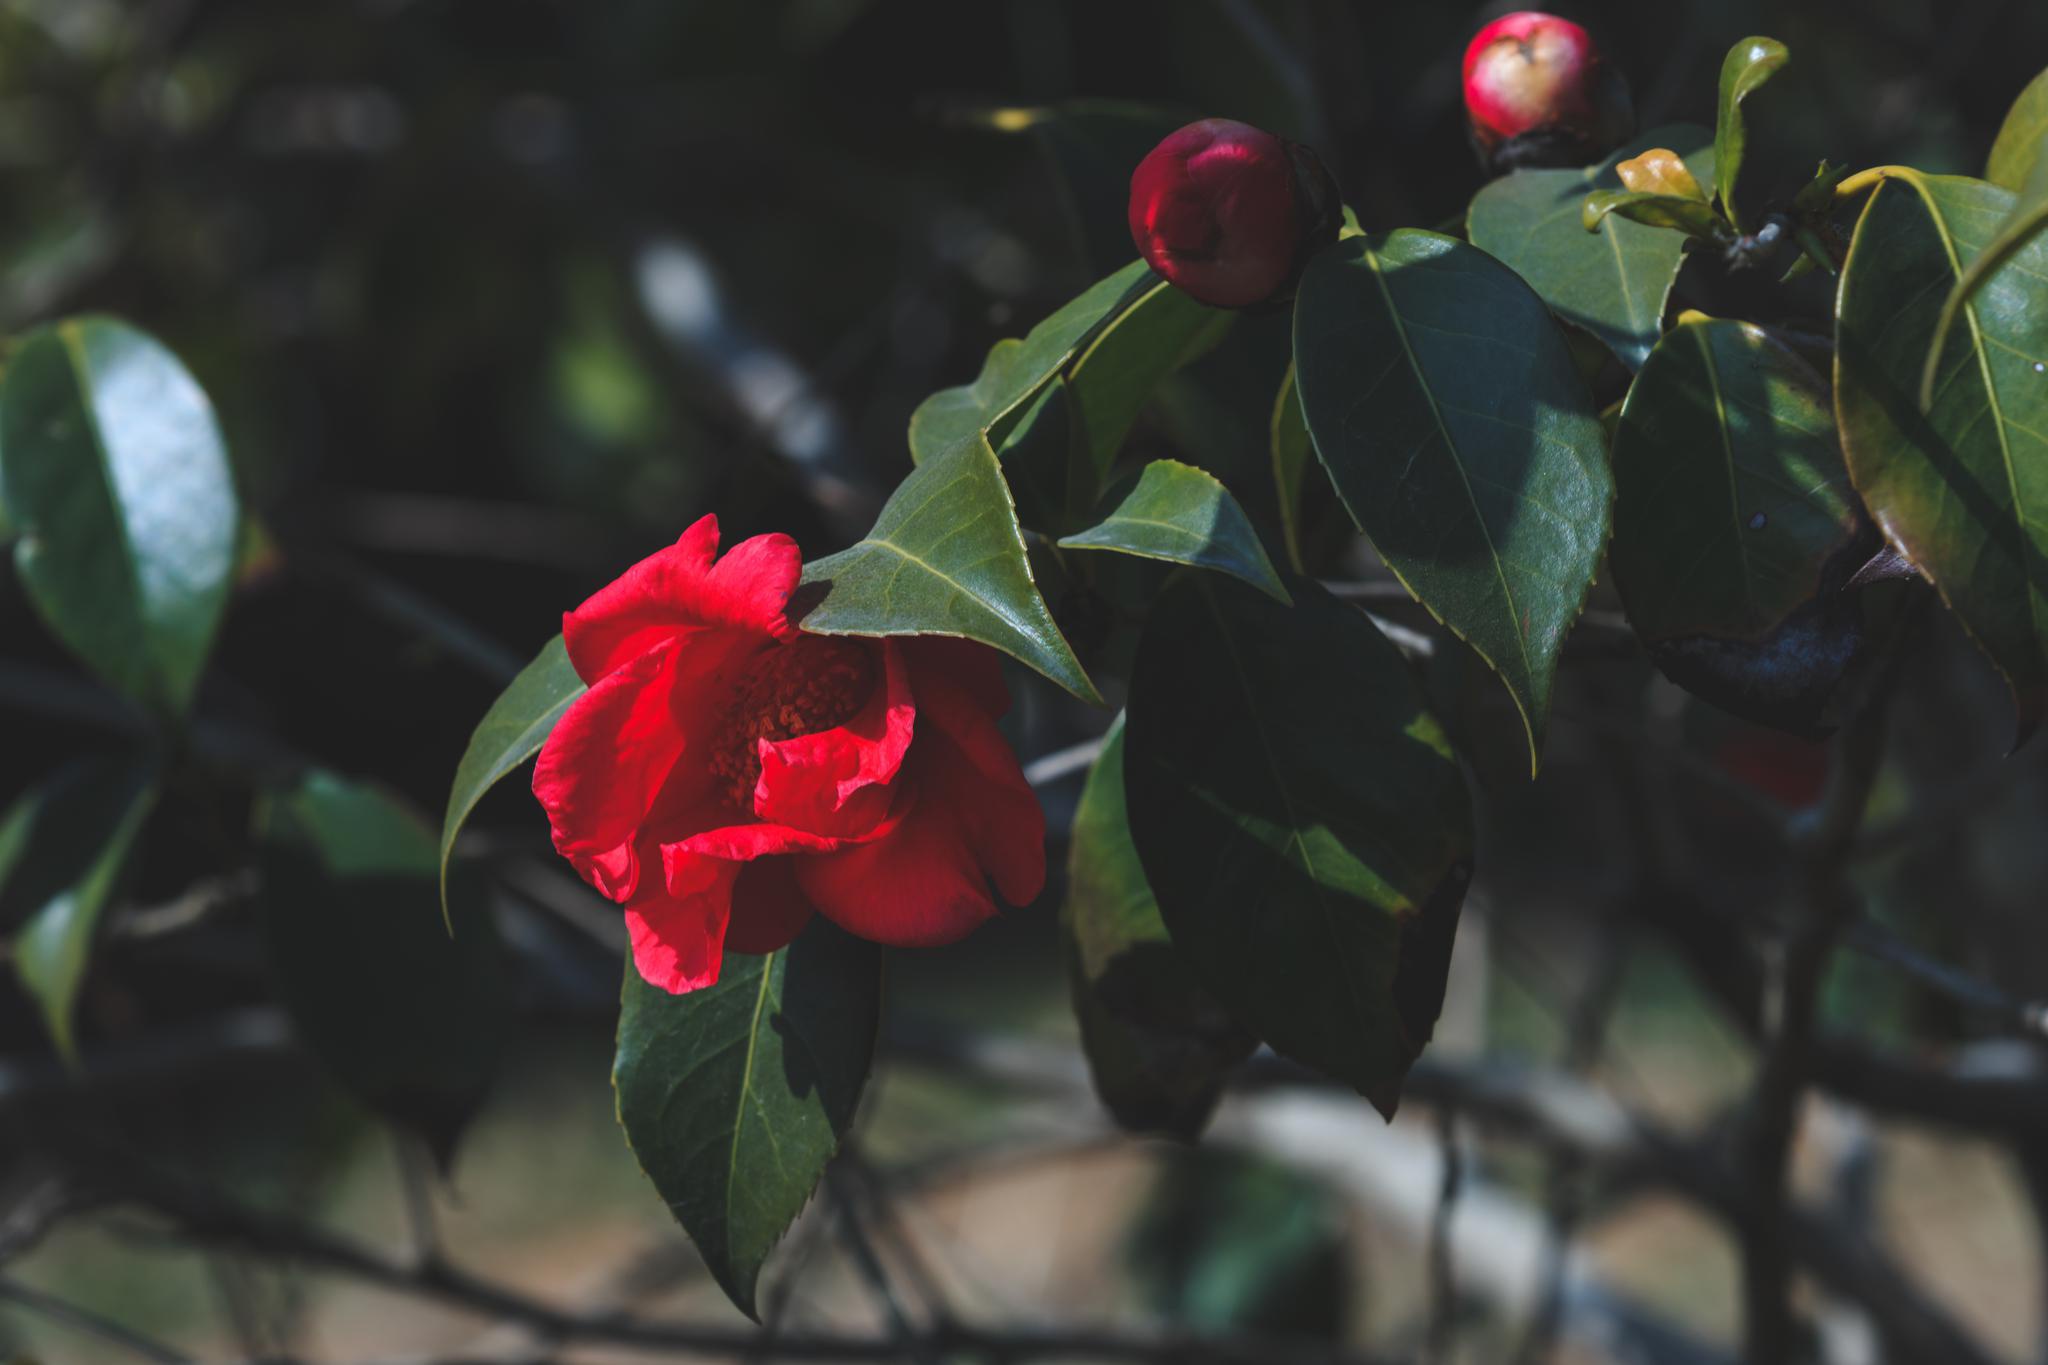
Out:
{"x": 1231, "y": 214}
{"x": 1539, "y": 92}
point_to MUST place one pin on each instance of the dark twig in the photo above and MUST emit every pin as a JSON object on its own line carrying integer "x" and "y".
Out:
{"x": 90, "y": 1323}
{"x": 1443, "y": 1278}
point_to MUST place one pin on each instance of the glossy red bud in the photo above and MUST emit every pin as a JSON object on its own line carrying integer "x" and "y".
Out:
{"x": 1230, "y": 213}
{"x": 1539, "y": 92}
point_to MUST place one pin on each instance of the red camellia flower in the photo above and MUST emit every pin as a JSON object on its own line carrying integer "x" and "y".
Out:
{"x": 727, "y": 773}
{"x": 1230, "y": 213}
{"x": 1539, "y": 92}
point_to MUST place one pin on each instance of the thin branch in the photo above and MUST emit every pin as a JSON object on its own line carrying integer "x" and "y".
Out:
{"x": 1443, "y": 1280}
{"x": 92, "y": 1324}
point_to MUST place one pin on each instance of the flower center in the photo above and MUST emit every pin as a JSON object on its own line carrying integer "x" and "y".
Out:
{"x": 810, "y": 684}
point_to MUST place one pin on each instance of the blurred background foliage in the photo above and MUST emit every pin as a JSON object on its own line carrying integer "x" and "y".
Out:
{"x": 495, "y": 296}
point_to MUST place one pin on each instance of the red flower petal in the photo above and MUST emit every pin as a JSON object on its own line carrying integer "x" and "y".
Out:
{"x": 836, "y": 782}
{"x": 964, "y": 663}
{"x": 996, "y": 811}
{"x": 768, "y": 909}
{"x": 678, "y": 933}
{"x": 680, "y": 587}
{"x": 603, "y": 767}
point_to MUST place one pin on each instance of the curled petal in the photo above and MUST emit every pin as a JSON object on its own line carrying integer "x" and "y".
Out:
{"x": 837, "y": 782}
{"x": 683, "y": 588}
{"x": 678, "y": 931}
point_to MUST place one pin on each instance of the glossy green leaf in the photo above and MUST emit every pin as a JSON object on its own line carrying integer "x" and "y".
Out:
{"x": 1670, "y": 211}
{"x": 1111, "y": 381}
{"x": 511, "y": 732}
{"x": 1183, "y": 515}
{"x": 1960, "y": 489}
{"x": 409, "y": 1018}
{"x": 114, "y": 473}
{"x": 1305, "y": 829}
{"x": 1292, "y": 454}
{"x": 1730, "y": 492}
{"x": 2022, "y": 142}
{"x": 1158, "y": 1044}
{"x": 2025, "y": 223}
{"x": 63, "y": 849}
{"x": 1613, "y": 284}
{"x": 735, "y": 1097}
{"x": 1748, "y": 65}
{"x": 945, "y": 557}
{"x": 1442, "y": 399}
{"x": 1016, "y": 370}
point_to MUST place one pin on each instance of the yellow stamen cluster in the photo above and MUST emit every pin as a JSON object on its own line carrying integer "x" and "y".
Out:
{"x": 810, "y": 684}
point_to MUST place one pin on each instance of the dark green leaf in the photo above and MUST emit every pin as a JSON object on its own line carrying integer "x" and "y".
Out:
{"x": 1613, "y": 284}
{"x": 1158, "y": 1044}
{"x": 406, "y": 1016}
{"x": 1960, "y": 488}
{"x": 1111, "y": 381}
{"x": 945, "y": 557}
{"x": 1305, "y": 829}
{"x": 1747, "y": 66}
{"x": 1292, "y": 452}
{"x": 1730, "y": 492}
{"x": 63, "y": 848}
{"x": 511, "y": 732}
{"x": 113, "y": 471}
{"x": 2027, "y": 220}
{"x": 2017, "y": 153}
{"x": 1673, "y": 211}
{"x": 735, "y": 1096}
{"x": 1016, "y": 370}
{"x": 1443, "y": 400}
{"x": 1183, "y": 515}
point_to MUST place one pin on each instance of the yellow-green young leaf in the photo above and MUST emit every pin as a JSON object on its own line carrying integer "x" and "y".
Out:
{"x": 408, "y": 1017}
{"x": 2022, "y": 138}
{"x": 1158, "y": 1044}
{"x": 945, "y": 557}
{"x": 1748, "y": 65}
{"x": 1442, "y": 398}
{"x": 1305, "y": 829}
{"x": 115, "y": 477}
{"x": 1614, "y": 283}
{"x": 511, "y": 732}
{"x": 734, "y": 1097}
{"x": 63, "y": 849}
{"x": 1961, "y": 488}
{"x": 1672, "y": 211}
{"x": 1183, "y": 515}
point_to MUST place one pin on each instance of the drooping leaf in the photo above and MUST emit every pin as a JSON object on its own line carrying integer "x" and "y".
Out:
{"x": 1735, "y": 529}
{"x": 1158, "y": 1044}
{"x": 1016, "y": 370}
{"x": 734, "y": 1097}
{"x": 1669, "y": 211}
{"x": 1305, "y": 829}
{"x": 1960, "y": 489}
{"x": 114, "y": 474}
{"x": 66, "y": 845}
{"x": 1292, "y": 454}
{"x": 1442, "y": 399}
{"x": 1613, "y": 284}
{"x": 511, "y": 732}
{"x": 2017, "y": 152}
{"x": 945, "y": 557}
{"x": 407, "y": 1017}
{"x": 1183, "y": 515}
{"x": 1748, "y": 65}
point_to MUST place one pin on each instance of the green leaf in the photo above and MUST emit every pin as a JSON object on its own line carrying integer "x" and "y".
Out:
{"x": 1673, "y": 211}
{"x": 2026, "y": 221}
{"x": 115, "y": 476}
{"x": 1613, "y": 284}
{"x": 1443, "y": 400}
{"x": 1015, "y": 371}
{"x": 1292, "y": 452}
{"x": 1158, "y": 1044}
{"x": 734, "y": 1097}
{"x": 409, "y": 1018}
{"x": 63, "y": 848}
{"x": 1183, "y": 515}
{"x": 2017, "y": 153}
{"x": 1748, "y": 65}
{"x": 511, "y": 732}
{"x": 1961, "y": 489}
{"x": 945, "y": 557}
{"x": 1730, "y": 492}
{"x": 1305, "y": 829}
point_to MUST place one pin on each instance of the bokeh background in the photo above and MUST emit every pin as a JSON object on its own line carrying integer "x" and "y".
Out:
{"x": 495, "y": 296}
